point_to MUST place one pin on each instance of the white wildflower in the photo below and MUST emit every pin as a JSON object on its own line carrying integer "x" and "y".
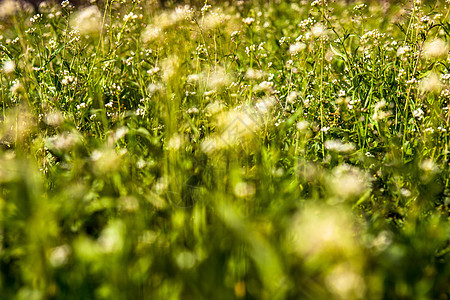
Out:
{"x": 319, "y": 231}
{"x": 431, "y": 83}
{"x": 88, "y": 21}
{"x": 347, "y": 182}
{"x": 8, "y": 7}
{"x": 129, "y": 17}
{"x": 292, "y": 97}
{"x": 111, "y": 239}
{"x": 119, "y": 133}
{"x": 60, "y": 255}
{"x": 211, "y": 21}
{"x": 16, "y": 88}
{"x": 244, "y": 189}
{"x": 405, "y": 192}
{"x": 170, "y": 67}
{"x": 175, "y": 142}
{"x": 54, "y": 118}
{"x": 219, "y": 79}
{"x": 171, "y": 18}
{"x": 403, "y": 50}
{"x": 379, "y": 113}
{"x": 318, "y": 30}
{"x": 248, "y": 21}
{"x": 265, "y": 86}
{"x": 345, "y": 282}
{"x": 63, "y": 141}
{"x": 214, "y": 108}
{"x": 429, "y": 166}
{"x": 297, "y": 47}
{"x": 418, "y": 113}
{"x": 253, "y": 74}
{"x": 151, "y": 33}
{"x": 338, "y": 146}
{"x": 8, "y": 67}
{"x": 81, "y": 105}
{"x": 264, "y": 105}
{"x": 436, "y": 48}
{"x": 302, "y": 125}
{"x": 153, "y": 70}
{"x": 205, "y": 8}
{"x": 192, "y": 78}
{"x": 192, "y": 110}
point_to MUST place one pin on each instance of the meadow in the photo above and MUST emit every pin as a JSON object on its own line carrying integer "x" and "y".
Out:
{"x": 245, "y": 150}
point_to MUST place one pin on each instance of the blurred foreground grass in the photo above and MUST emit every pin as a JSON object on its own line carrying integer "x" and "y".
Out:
{"x": 246, "y": 151}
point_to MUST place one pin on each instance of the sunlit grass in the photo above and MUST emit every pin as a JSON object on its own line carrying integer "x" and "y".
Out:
{"x": 249, "y": 151}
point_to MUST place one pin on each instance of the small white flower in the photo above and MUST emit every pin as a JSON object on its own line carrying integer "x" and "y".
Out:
{"x": 266, "y": 85}
{"x": 403, "y": 50}
{"x": 192, "y": 110}
{"x": 8, "y": 67}
{"x": 292, "y": 97}
{"x": 60, "y": 255}
{"x": 130, "y": 16}
{"x": 435, "y": 48}
{"x": 303, "y": 125}
{"x": 81, "y": 106}
{"x": 248, "y": 21}
{"x": 153, "y": 70}
{"x": 296, "y": 48}
{"x": 418, "y": 113}
{"x": 325, "y": 129}
{"x": 429, "y": 166}
{"x": 140, "y": 112}
{"x": 253, "y": 74}
{"x": 338, "y": 146}
{"x": 88, "y": 21}
{"x": 431, "y": 83}
{"x": 244, "y": 189}
{"x": 318, "y": 30}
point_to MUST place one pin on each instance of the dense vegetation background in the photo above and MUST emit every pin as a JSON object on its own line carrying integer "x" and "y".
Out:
{"x": 254, "y": 150}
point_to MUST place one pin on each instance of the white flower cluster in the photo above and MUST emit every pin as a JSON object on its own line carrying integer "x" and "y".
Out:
{"x": 248, "y": 21}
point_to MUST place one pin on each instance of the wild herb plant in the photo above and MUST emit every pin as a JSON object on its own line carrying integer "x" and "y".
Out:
{"x": 282, "y": 150}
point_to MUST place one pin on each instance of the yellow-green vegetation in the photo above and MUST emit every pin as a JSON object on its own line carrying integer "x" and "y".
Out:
{"x": 253, "y": 150}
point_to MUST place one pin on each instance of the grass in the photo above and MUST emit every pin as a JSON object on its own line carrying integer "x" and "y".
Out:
{"x": 246, "y": 151}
